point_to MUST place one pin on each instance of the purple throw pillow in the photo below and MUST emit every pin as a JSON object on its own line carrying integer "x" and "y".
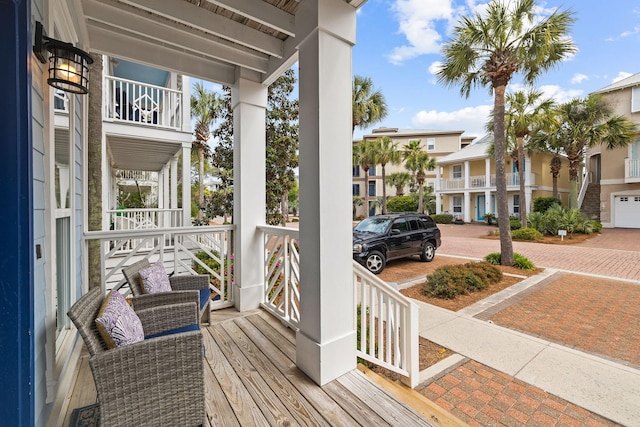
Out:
{"x": 155, "y": 279}
{"x": 117, "y": 323}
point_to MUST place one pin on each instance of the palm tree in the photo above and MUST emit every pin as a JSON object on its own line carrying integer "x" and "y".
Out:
{"x": 204, "y": 108}
{"x": 419, "y": 163}
{"x": 585, "y": 123}
{"x": 357, "y": 201}
{"x": 524, "y": 114}
{"x": 388, "y": 152}
{"x": 487, "y": 50}
{"x": 369, "y": 105}
{"x": 399, "y": 180}
{"x": 412, "y": 148}
{"x": 364, "y": 154}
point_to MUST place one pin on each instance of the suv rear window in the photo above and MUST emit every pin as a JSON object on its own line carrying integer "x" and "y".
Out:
{"x": 426, "y": 222}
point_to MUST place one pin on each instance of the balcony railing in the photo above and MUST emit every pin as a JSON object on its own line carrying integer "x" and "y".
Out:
{"x": 480, "y": 181}
{"x": 137, "y": 219}
{"x": 137, "y": 175}
{"x": 129, "y": 101}
{"x": 388, "y": 319}
{"x": 187, "y": 250}
{"x": 632, "y": 169}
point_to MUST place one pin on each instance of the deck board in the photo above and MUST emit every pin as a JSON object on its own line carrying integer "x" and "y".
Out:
{"x": 251, "y": 379}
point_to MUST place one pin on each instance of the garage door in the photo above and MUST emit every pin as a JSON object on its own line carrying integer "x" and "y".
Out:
{"x": 627, "y": 211}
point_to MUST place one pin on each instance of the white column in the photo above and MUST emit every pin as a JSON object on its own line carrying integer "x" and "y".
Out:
{"x": 186, "y": 184}
{"x": 467, "y": 207}
{"x": 467, "y": 178}
{"x": 174, "y": 183}
{"x": 487, "y": 193}
{"x": 161, "y": 188}
{"x": 438, "y": 195}
{"x": 186, "y": 102}
{"x": 528, "y": 178}
{"x": 165, "y": 187}
{"x": 325, "y": 343}
{"x": 249, "y": 102}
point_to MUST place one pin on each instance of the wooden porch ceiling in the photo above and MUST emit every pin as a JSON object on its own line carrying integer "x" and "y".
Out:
{"x": 208, "y": 39}
{"x": 251, "y": 379}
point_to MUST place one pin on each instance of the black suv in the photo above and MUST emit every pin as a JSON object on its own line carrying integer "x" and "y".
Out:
{"x": 381, "y": 238}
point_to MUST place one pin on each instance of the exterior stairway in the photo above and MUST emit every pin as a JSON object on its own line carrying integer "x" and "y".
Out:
{"x": 591, "y": 203}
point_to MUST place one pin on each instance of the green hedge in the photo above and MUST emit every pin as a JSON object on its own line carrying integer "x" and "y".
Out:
{"x": 402, "y": 204}
{"x": 542, "y": 204}
{"x": 449, "y": 281}
{"x": 526, "y": 234}
{"x": 442, "y": 218}
{"x": 519, "y": 261}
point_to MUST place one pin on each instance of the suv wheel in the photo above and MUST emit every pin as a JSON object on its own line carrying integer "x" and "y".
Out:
{"x": 375, "y": 262}
{"x": 428, "y": 252}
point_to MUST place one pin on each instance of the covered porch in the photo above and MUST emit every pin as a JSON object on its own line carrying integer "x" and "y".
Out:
{"x": 251, "y": 379}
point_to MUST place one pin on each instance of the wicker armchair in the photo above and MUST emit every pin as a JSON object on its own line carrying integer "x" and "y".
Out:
{"x": 183, "y": 287}
{"x": 158, "y": 381}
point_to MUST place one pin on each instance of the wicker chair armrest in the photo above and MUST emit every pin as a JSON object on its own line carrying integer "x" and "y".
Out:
{"x": 185, "y": 282}
{"x": 163, "y": 318}
{"x": 142, "y": 302}
{"x": 154, "y": 382}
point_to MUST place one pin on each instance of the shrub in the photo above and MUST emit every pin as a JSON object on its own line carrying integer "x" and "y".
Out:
{"x": 452, "y": 280}
{"x": 537, "y": 221}
{"x": 490, "y": 218}
{"x": 402, "y": 204}
{"x": 442, "y": 218}
{"x": 527, "y": 234}
{"x": 596, "y": 226}
{"x": 572, "y": 220}
{"x": 515, "y": 223}
{"x": 522, "y": 263}
{"x": 542, "y": 204}
{"x": 519, "y": 261}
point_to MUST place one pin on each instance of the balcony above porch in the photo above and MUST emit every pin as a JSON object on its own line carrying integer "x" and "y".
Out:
{"x": 480, "y": 182}
{"x": 631, "y": 170}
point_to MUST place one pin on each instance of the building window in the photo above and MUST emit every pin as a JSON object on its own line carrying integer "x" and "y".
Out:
{"x": 456, "y": 172}
{"x": 516, "y": 203}
{"x": 372, "y": 171}
{"x": 457, "y": 204}
{"x": 355, "y": 171}
{"x": 355, "y": 188}
{"x": 372, "y": 188}
{"x": 431, "y": 144}
{"x": 635, "y": 99}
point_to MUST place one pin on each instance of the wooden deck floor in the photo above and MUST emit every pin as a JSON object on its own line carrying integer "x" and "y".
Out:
{"x": 252, "y": 380}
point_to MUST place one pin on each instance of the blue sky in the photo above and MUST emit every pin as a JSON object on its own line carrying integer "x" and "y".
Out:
{"x": 399, "y": 42}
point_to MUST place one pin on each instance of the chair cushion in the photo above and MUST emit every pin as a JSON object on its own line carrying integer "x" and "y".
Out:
{"x": 117, "y": 323}
{"x": 188, "y": 328}
{"x": 205, "y": 295}
{"x": 155, "y": 279}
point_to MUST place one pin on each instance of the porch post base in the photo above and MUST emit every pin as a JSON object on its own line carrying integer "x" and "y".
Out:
{"x": 325, "y": 362}
{"x": 248, "y": 297}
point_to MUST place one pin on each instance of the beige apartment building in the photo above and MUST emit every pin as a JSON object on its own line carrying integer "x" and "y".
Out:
{"x": 466, "y": 187}
{"x": 611, "y": 187}
{"x": 437, "y": 144}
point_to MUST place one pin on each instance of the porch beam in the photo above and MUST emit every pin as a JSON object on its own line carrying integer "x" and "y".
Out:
{"x": 211, "y": 23}
{"x": 262, "y": 12}
{"x": 143, "y": 24}
{"x": 326, "y": 340}
{"x": 110, "y": 42}
{"x": 249, "y": 103}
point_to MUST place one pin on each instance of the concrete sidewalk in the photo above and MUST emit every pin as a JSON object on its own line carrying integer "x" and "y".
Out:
{"x": 604, "y": 387}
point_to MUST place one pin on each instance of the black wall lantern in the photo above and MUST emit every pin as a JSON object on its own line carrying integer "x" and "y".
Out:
{"x": 68, "y": 65}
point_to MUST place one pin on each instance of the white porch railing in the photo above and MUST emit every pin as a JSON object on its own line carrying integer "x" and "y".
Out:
{"x": 480, "y": 181}
{"x": 388, "y": 318}
{"x": 586, "y": 180}
{"x": 451, "y": 184}
{"x": 137, "y": 219}
{"x": 187, "y": 250}
{"x": 282, "y": 273}
{"x": 137, "y": 175}
{"x": 631, "y": 168}
{"x": 131, "y": 101}
{"x": 387, "y": 322}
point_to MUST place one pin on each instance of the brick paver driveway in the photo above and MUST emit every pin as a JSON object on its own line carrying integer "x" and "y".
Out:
{"x": 614, "y": 253}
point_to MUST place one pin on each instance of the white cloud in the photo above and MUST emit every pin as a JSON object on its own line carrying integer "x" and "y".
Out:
{"x": 578, "y": 78}
{"x": 621, "y": 75}
{"x": 417, "y": 21}
{"x": 470, "y": 119}
{"x": 435, "y": 67}
{"x": 555, "y": 92}
{"x": 625, "y": 34}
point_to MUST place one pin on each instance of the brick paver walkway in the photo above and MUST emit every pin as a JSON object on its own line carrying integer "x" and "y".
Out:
{"x": 597, "y": 315}
{"x": 481, "y": 396}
